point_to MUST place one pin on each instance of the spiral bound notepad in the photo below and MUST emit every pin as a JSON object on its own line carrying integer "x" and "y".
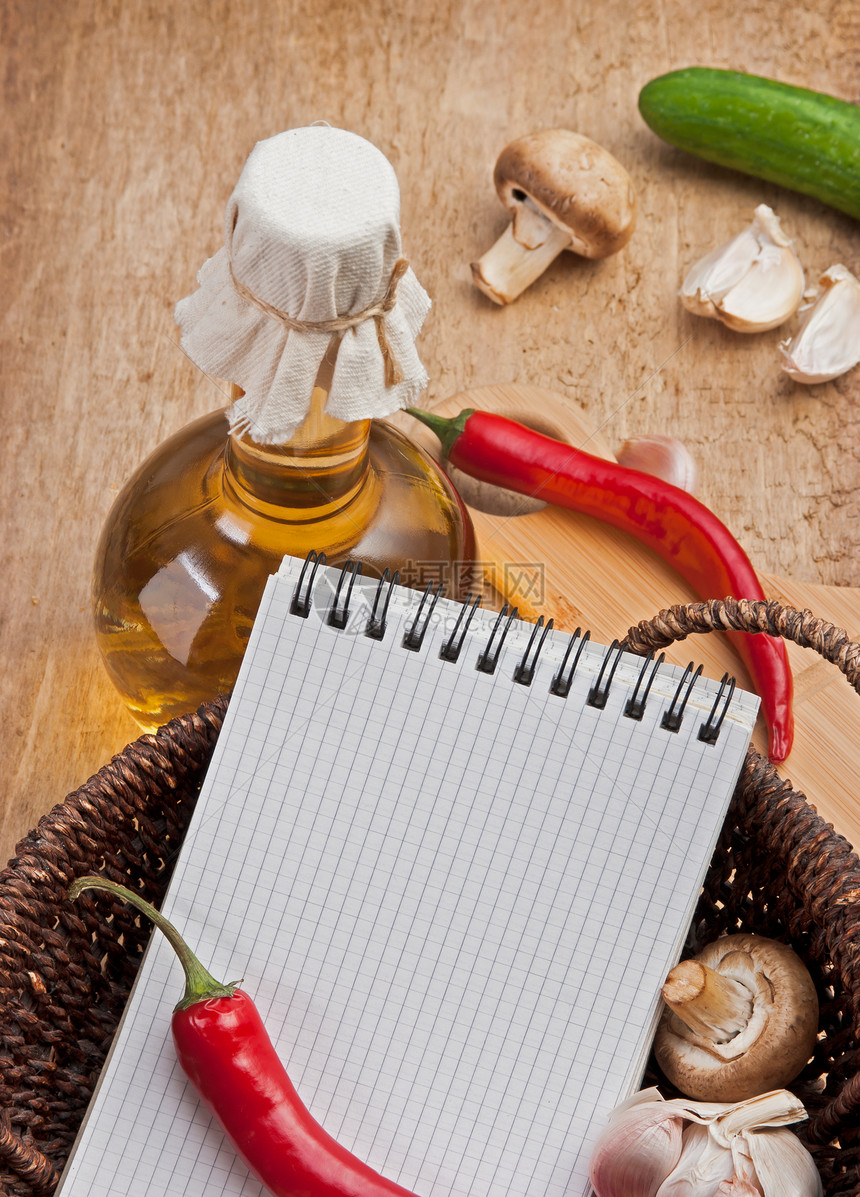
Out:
{"x": 453, "y": 855}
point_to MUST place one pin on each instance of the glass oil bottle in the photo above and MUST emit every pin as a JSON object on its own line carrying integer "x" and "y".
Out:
{"x": 193, "y": 537}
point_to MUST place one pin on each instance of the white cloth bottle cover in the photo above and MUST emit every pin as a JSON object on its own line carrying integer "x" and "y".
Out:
{"x": 312, "y": 251}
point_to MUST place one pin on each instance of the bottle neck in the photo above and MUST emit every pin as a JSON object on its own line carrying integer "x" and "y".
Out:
{"x": 313, "y": 475}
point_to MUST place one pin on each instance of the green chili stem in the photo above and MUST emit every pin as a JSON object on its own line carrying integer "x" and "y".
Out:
{"x": 199, "y": 982}
{"x": 447, "y": 430}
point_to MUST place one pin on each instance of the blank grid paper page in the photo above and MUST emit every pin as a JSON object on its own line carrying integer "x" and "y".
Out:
{"x": 453, "y": 897}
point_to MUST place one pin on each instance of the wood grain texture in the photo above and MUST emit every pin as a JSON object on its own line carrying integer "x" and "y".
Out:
{"x": 125, "y": 127}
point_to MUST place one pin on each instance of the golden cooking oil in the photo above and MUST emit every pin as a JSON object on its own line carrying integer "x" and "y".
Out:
{"x": 192, "y": 539}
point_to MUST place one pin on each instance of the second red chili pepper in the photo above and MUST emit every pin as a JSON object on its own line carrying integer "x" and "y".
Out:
{"x": 226, "y": 1053}
{"x": 679, "y": 528}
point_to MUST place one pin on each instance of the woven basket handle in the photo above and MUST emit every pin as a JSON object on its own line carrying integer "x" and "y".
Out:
{"x": 748, "y": 615}
{"x": 25, "y": 1159}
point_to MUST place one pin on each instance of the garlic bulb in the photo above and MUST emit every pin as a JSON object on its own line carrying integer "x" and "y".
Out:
{"x": 663, "y": 456}
{"x": 681, "y": 1148}
{"x": 752, "y": 283}
{"x": 828, "y": 341}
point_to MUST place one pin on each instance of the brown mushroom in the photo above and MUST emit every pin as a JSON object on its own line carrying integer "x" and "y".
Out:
{"x": 741, "y": 1019}
{"x": 564, "y": 192}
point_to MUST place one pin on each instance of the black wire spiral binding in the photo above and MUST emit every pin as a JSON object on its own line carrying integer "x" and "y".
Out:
{"x": 488, "y": 660}
{"x": 671, "y": 721}
{"x": 376, "y": 624}
{"x": 635, "y": 708}
{"x": 301, "y": 605}
{"x": 599, "y": 692}
{"x": 525, "y": 671}
{"x": 562, "y": 681}
{"x": 338, "y": 618}
{"x": 709, "y": 732}
{"x": 453, "y": 646}
{"x": 487, "y": 663}
{"x": 414, "y": 638}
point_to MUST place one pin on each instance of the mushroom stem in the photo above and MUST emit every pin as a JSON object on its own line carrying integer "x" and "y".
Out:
{"x": 711, "y": 1004}
{"x": 508, "y": 267}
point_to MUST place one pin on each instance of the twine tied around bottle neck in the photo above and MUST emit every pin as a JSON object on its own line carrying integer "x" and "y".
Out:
{"x": 376, "y": 312}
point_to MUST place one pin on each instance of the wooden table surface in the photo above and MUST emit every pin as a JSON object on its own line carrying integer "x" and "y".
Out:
{"x": 125, "y": 127}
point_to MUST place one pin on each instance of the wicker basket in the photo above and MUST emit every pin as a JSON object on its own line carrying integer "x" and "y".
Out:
{"x": 778, "y": 870}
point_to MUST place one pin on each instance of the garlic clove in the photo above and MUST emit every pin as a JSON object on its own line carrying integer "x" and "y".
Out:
{"x": 663, "y": 456}
{"x": 752, "y": 283}
{"x": 828, "y": 341}
{"x": 637, "y": 1150}
{"x": 723, "y": 269}
{"x": 783, "y": 1166}
{"x": 703, "y": 1166}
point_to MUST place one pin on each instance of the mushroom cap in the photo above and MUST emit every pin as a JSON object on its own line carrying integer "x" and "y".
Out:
{"x": 774, "y": 1046}
{"x": 575, "y": 183}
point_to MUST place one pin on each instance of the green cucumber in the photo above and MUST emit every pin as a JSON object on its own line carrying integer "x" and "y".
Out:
{"x": 804, "y": 140}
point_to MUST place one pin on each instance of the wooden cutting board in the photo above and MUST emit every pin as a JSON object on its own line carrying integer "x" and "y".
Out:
{"x": 583, "y": 573}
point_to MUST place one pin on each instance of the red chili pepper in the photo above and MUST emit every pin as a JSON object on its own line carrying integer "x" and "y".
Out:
{"x": 665, "y": 518}
{"x": 226, "y": 1053}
